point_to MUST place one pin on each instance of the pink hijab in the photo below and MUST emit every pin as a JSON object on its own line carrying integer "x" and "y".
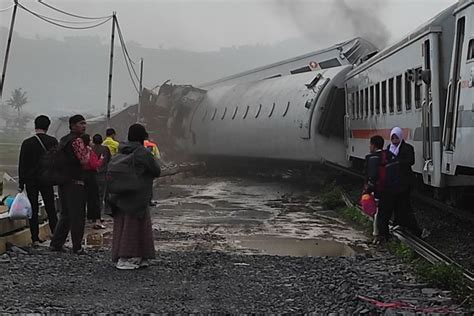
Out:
{"x": 399, "y": 132}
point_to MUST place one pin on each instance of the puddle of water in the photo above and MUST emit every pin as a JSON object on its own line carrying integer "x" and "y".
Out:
{"x": 279, "y": 246}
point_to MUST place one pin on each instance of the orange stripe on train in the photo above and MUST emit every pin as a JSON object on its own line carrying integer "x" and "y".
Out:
{"x": 385, "y": 133}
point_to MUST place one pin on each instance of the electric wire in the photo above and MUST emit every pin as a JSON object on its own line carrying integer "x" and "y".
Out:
{"x": 74, "y": 15}
{"x": 124, "y": 47}
{"x": 49, "y": 20}
{"x": 6, "y": 9}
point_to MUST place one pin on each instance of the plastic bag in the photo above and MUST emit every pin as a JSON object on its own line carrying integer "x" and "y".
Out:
{"x": 369, "y": 205}
{"x": 21, "y": 207}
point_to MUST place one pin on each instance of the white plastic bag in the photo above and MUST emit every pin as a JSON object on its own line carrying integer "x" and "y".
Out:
{"x": 21, "y": 207}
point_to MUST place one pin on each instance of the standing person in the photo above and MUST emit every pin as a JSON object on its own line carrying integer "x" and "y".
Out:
{"x": 377, "y": 182}
{"x": 101, "y": 151}
{"x": 72, "y": 194}
{"x": 110, "y": 141}
{"x": 93, "y": 206}
{"x": 31, "y": 152}
{"x": 133, "y": 235}
{"x": 405, "y": 155}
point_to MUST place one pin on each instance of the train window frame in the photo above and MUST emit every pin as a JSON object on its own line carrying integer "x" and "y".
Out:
{"x": 391, "y": 95}
{"x": 214, "y": 114}
{"x": 418, "y": 92}
{"x": 235, "y": 112}
{"x": 361, "y": 104}
{"x": 353, "y": 106}
{"x": 470, "y": 51}
{"x": 366, "y": 101}
{"x": 383, "y": 103}
{"x": 408, "y": 93}
{"x": 259, "y": 108}
{"x": 223, "y": 115}
{"x": 272, "y": 109}
{"x": 372, "y": 100}
{"x": 286, "y": 109}
{"x": 246, "y": 112}
{"x": 356, "y": 102}
{"x": 398, "y": 94}
{"x": 377, "y": 99}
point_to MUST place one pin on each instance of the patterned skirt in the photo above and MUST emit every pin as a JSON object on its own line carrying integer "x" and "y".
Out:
{"x": 132, "y": 237}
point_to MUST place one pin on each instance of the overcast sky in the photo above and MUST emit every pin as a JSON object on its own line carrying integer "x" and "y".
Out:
{"x": 209, "y": 25}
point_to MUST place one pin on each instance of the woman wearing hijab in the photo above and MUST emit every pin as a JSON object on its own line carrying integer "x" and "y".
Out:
{"x": 405, "y": 156}
{"x": 133, "y": 242}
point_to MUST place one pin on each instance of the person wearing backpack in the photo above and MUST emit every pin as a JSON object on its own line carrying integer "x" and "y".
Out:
{"x": 382, "y": 181}
{"x": 29, "y": 174}
{"x": 405, "y": 155}
{"x": 72, "y": 192}
{"x": 130, "y": 177}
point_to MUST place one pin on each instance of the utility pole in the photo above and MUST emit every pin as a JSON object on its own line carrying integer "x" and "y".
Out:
{"x": 7, "y": 51}
{"x": 140, "y": 94}
{"x": 111, "y": 67}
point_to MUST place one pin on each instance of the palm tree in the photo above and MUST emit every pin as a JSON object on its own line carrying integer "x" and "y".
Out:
{"x": 17, "y": 100}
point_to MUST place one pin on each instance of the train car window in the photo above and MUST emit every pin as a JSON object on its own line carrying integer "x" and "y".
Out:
{"x": 272, "y": 109}
{"x": 361, "y": 104}
{"x": 287, "y": 108}
{"x": 353, "y": 112}
{"x": 204, "y": 116}
{"x": 372, "y": 103}
{"x": 223, "y": 115}
{"x": 259, "y": 108}
{"x": 384, "y": 97}
{"x": 246, "y": 112}
{"x": 366, "y": 102}
{"x": 300, "y": 70}
{"x": 408, "y": 92}
{"x": 235, "y": 112}
{"x": 418, "y": 90}
{"x": 390, "y": 95}
{"x": 398, "y": 93}
{"x": 470, "y": 50}
{"x": 377, "y": 98}
{"x": 329, "y": 63}
{"x": 214, "y": 114}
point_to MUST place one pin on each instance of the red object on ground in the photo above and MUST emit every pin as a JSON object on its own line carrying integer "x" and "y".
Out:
{"x": 369, "y": 206}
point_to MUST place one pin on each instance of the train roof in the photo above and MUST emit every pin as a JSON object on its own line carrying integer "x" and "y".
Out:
{"x": 352, "y": 53}
{"x": 431, "y": 25}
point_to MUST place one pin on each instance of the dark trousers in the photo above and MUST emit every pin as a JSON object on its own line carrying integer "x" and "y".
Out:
{"x": 404, "y": 215}
{"x": 399, "y": 205}
{"x": 93, "y": 195}
{"x": 72, "y": 217}
{"x": 47, "y": 193}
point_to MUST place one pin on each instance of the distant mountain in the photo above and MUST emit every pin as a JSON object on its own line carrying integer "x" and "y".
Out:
{"x": 72, "y": 75}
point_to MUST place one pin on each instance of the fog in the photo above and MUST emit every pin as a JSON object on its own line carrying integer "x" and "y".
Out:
{"x": 65, "y": 70}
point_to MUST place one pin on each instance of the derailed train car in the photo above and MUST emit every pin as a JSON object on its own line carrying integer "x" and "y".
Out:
{"x": 422, "y": 83}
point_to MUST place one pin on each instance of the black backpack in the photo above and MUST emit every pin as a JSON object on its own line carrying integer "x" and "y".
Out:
{"x": 122, "y": 176}
{"x": 53, "y": 166}
{"x": 388, "y": 176}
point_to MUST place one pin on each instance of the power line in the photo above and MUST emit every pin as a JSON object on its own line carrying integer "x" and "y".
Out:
{"x": 74, "y": 15}
{"x": 124, "y": 48}
{"x": 49, "y": 20}
{"x": 6, "y": 9}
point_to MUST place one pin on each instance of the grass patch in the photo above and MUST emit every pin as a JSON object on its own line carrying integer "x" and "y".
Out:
{"x": 331, "y": 197}
{"x": 354, "y": 215}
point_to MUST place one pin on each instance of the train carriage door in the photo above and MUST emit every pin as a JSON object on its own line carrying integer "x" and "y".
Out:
{"x": 314, "y": 90}
{"x": 454, "y": 87}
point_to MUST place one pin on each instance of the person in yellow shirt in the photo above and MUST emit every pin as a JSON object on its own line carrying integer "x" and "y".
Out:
{"x": 111, "y": 142}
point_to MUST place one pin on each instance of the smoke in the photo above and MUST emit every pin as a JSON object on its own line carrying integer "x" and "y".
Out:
{"x": 326, "y": 22}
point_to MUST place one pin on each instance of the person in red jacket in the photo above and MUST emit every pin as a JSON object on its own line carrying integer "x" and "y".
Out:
{"x": 91, "y": 184}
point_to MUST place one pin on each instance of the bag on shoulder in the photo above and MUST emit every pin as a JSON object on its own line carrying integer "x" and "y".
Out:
{"x": 53, "y": 166}
{"x": 388, "y": 178}
{"x": 122, "y": 175}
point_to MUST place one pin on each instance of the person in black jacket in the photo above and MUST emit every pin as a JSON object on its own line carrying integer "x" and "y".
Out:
{"x": 31, "y": 152}
{"x": 405, "y": 155}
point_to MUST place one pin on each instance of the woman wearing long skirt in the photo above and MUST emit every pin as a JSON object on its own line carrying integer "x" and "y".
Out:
{"x": 132, "y": 242}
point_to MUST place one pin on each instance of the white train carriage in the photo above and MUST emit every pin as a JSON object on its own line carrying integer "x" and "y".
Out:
{"x": 422, "y": 84}
{"x": 287, "y": 118}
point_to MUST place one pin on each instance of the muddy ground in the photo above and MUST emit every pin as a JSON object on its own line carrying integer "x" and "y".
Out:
{"x": 225, "y": 244}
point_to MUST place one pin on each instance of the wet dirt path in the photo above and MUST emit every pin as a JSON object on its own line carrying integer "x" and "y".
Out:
{"x": 246, "y": 215}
